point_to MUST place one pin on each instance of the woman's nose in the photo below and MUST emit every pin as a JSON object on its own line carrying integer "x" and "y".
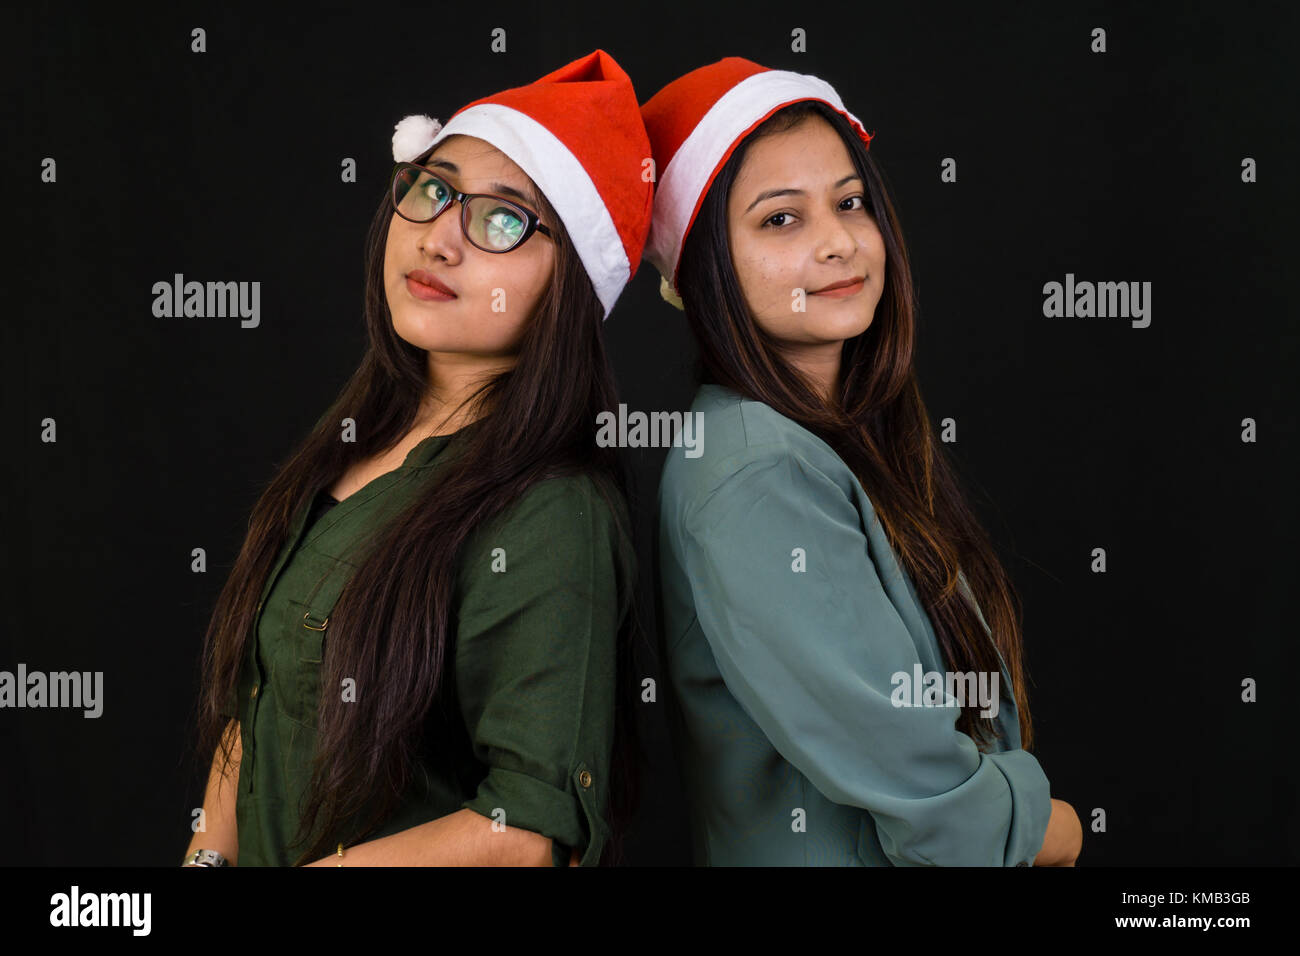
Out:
{"x": 835, "y": 238}
{"x": 442, "y": 234}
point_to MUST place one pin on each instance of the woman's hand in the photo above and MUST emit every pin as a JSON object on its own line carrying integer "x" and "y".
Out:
{"x": 1064, "y": 837}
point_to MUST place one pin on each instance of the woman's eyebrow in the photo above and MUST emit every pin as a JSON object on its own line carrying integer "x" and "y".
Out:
{"x": 771, "y": 193}
{"x": 495, "y": 187}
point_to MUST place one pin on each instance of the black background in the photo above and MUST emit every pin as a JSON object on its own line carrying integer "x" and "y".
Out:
{"x": 1073, "y": 433}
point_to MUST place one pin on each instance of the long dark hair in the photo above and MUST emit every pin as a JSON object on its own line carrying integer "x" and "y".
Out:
{"x": 877, "y": 423}
{"x": 392, "y": 632}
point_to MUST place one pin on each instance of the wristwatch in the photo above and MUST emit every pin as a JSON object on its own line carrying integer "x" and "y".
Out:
{"x": 204, "y": 858}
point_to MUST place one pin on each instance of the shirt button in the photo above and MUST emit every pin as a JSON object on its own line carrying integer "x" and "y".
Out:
{"x": 584, "y": 778}
{"x": 254, "y": 693}
{"x": 259, "y": 605}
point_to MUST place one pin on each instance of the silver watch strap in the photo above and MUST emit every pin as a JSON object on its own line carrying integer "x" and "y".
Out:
{"x": 205, "y": 858}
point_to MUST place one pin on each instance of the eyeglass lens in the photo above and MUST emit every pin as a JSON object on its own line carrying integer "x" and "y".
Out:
{"x": 492, "y": 224}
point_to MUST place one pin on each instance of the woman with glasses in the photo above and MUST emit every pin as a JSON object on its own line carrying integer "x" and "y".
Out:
{"x": 420, "y": 652}
{"x": 839, "y": 698}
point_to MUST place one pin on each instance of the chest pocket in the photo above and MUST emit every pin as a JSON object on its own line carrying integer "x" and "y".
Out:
{"x": 302, "y": 632}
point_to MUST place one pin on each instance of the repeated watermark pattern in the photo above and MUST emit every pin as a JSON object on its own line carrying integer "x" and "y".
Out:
{"x": 25, "y": 688}
{"x": 946, "y": 689}
{"x": 181, "y": 299}
{"x": 653, "y": 430}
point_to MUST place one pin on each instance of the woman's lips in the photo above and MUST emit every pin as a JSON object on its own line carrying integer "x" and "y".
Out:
{"x": 843, "y": 291}
{"x": 422, "y": 290}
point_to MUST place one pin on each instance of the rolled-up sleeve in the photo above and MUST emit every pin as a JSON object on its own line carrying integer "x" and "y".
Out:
{"x": 536, "y": 636}
{"x": 810, "y": 655}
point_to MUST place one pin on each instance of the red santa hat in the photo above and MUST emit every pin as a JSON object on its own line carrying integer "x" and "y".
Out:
{"x": 577, "y": 133}
{"x": 694, "y": 124}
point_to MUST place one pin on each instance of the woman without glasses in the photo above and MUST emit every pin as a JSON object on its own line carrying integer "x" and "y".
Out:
{"x": 818, "y": 557}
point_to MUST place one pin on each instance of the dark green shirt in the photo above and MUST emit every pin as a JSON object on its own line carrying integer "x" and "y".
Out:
{"x": 534, "y": 665}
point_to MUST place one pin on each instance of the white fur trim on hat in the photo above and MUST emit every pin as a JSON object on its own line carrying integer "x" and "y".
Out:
{"x": 565, "y": 183}
{"x": 413, "y": 135}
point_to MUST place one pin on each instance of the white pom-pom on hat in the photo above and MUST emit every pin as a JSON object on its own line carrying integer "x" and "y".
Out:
{"x": 413, "y": 135}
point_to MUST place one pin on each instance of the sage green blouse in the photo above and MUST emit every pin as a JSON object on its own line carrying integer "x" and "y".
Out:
{"x": 534, "y": 665}
{"x": 786, "y": 617}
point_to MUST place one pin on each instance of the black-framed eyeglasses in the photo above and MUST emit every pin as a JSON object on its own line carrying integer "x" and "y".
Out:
{"x": 490, "y": 223}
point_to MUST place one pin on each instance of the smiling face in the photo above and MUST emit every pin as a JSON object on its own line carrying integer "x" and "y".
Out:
{"x": 798, "y": 217}
{"x": 493, "y": 294}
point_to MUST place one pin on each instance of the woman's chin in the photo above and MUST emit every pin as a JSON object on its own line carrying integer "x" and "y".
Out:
{"x": 838, "y": 325}
{"x": 426, "y": 330}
